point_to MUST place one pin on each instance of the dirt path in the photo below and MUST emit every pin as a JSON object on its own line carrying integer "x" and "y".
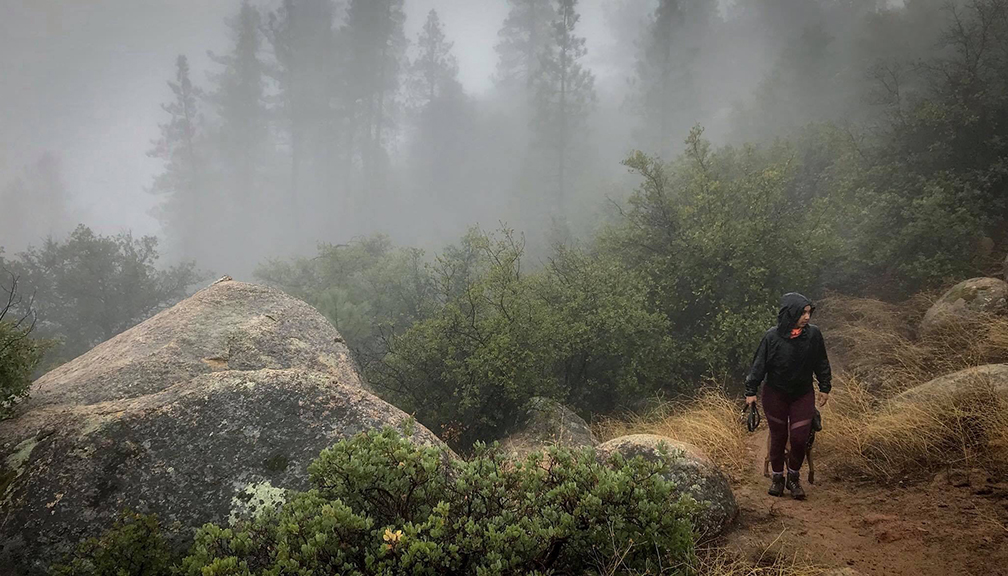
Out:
{"x": 954, "y": 525}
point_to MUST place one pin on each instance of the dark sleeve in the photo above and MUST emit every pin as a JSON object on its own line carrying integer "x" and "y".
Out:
{"x": 822, "y": 368}
{"x": 758, "y": 370}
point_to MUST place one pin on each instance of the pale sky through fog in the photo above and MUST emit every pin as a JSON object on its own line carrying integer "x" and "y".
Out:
{"x": 85, "y": 79}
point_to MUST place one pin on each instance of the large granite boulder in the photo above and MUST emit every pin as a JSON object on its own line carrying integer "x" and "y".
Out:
{"x": 989, "y": 377}
{"x": 213, "y": 408}
{"x": 968, "y": 299}
{"x": 692, "y": 472}
{"x": 227, "y": 326}
{"x": 548, "y": 423}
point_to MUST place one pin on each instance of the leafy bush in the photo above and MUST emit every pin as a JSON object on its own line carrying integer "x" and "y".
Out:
{"x": 20, "y": 352}
{"x": 90, "y": 287}
{"x": 134, "y": 546}
{"x": 369, "y": 289}
{"x": 578, "y": 330}
{"x": 719, "y": 237}
{"x": 379, "y": 504}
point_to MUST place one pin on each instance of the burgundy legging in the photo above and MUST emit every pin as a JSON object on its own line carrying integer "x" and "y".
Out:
{"x": 781, "y": 410}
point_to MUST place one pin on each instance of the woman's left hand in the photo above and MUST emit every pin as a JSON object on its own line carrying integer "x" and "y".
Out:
{"x": 823, "y": 399}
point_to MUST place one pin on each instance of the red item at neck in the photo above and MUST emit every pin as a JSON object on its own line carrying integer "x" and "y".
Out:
{"x": 796, "y": 332}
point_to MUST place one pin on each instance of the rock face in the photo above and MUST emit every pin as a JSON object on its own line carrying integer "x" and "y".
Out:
{"x": 549, "y": 423}
{"x": 691, "y": 471}
{"x": 975, "y": 296}
{"x": 227, "y": 326}
{"x": 151, "y": 422}
{"x": 977, "y": 378}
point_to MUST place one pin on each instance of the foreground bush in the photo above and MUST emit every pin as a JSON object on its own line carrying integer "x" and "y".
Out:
{"x": 134, "y": 546}
{"x": 20, "y": 351}
{"x": 379, "y": 504}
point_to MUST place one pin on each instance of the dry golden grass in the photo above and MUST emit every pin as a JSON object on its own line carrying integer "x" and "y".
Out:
{"x": 710, "y": 422}
{"x": 719, "y": 562}
{"x": 879, "y": 342}
{"x": 883, "y": 439}
{"x": 878, "y": 353}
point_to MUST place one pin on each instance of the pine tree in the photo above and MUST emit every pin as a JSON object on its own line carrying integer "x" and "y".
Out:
{"x": 304, "y": 45}
{"x": 434, "y": 72}
{"x": 527, "y": 31}
{"x": 183, "y": 211}
{"x": 239, "y": 101}
{"x": 565, "y": 93}
{"x": 440, "y": 114}
{"x": 666, "y": 97}
{"x": 376, "y": 45}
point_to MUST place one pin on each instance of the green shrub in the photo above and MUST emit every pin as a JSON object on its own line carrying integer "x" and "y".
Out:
{"x": 719, "y": 236}
{"x": 367, "y": 288}
{"x": 134, "y": 546}
{"x": 379, "y": 504}
{"x": 20, "y": 352}
{"x": 578, "y": 330}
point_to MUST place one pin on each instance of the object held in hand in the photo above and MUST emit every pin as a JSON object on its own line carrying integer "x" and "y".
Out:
{"x": 752, "y": 420}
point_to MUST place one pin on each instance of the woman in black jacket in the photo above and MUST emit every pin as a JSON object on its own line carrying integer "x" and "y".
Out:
{"x": 787, "y": 357}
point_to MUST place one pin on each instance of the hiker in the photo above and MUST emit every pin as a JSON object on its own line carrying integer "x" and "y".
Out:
{"x": 787, "y": 356}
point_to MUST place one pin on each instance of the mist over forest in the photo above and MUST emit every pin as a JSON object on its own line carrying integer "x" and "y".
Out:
{"x": 278, "y": 126}
{"x": 634, "y": 181}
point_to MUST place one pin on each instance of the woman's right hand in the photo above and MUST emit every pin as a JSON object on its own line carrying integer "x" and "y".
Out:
{"x": 750, "y": 399}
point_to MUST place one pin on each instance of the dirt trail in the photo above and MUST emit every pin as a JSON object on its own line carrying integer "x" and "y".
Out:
{"x": 953, "y": 525}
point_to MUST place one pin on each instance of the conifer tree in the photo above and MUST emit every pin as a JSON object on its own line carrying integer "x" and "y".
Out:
{"x": 304, "y": 46}
{"x": 239, "y": 102}
{"x": 565, "y": 94}
{"x": 666, "y": 97}
{"x": 376, "y": 52}
{"x": 439, "y": 110}
{"x": 526, "y": 32}
{"x": 183, "y": 212}
{"x": 434, "y": 72}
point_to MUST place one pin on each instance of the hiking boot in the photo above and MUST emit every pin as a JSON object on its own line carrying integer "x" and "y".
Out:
{"x": 794, "y": 486}
{"x": 776, "y": 485}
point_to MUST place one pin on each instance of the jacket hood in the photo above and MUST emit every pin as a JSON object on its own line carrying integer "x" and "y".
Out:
{"x": 791, "y": 307}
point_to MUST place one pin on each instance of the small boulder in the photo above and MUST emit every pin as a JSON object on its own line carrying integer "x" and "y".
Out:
{"x": 692, "y": 472}
{"x": 992, "y": 377}
{"x": 967, "y": 299}
{"x": 548, "y": 423}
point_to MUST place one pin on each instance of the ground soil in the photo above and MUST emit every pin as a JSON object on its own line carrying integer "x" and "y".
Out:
{"x": 953, "y": 523}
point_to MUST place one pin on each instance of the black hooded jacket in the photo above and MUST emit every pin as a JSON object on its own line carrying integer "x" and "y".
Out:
{"x": 788, "y": 363}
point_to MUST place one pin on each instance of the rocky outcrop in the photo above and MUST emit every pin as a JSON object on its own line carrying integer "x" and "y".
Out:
{"x": 549, "y": 423}
{"x": 968, "y": 299}
{"x": 993, "y": 377}
{"x": 691, "y": 471}
{"x": 202, "y": 413}
{"x": 227, "y": 326}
